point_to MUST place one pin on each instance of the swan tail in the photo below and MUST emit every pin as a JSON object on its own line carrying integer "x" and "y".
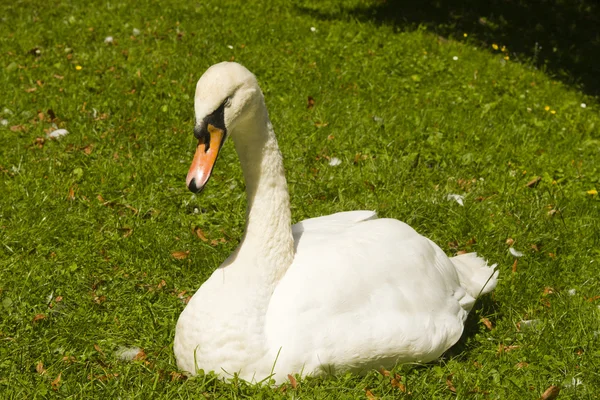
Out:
{"x": 475, "y": 275}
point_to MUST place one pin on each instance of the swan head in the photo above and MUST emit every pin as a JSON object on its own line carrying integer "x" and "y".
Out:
{"x": 226, "y": 95}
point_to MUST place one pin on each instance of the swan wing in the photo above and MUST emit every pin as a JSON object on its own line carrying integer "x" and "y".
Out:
{"x": 363, "y": 293}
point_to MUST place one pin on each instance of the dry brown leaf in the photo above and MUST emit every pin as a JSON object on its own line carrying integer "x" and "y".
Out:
{"x": 58, "y": 76}
{"x": 550, "y": 393}
{"x": 397, "y": 383}
{"x": 370, "y": 395}
{"x": 99, "y": 299}
{"x": 510, "y": 241}
{"x": 487, "y": 323}
{"x": 535, "y": 247}
{"x": 88, "y": 149}
{"x": 38, "y": 317}
{"x": 311, "y": 102}
{"x": 293, "y": 381}
{"x": 458, "y": 253}
{"x": 180, "y": 255}
{"x": 534, "y": 182}
{"x": 161, "y": 284}
{"x": 17, "y": 128}
{"x": 98, "y": 349}
{"x": 56, "y": 382}
{"x": 175, "y": 376}
{"x": 384, "y": 372}
{"x": 69, "y": 359}
{"x": 140, "y": 356}
{"x": 449, "y": 384}
{"x": 505, "y": 349}
{"x": 58, "y": 299}
{"x": 31, "y": 90}
{"x": 39, "y": 367}
{"x": 71, "y": 193}
{"x": 521, "y": 365}
{"x": 514, "y": 266}
{"x": 320, "y": 124}
{"x": 201, "y": 234}
{"x": 548, "y": 290}
{"x": 126, "y": 231}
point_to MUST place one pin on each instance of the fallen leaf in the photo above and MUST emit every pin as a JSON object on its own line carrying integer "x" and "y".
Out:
{"x": 397, "y": 383}
{"x": 58, "y": 299}
{"x": 510, "y": 241}
{"x": 200, "y": 234}
{"x": 320, "y": 124}
{"x": 180, "y": 255}
{"x": 71, "y": 193}
{"x": 370, "y": 395}
{"x": 17, "y": 128}
{"x": 458, "y": 253}
{"x": 39, "y": 367}
{"x": 521, "y": 365}
{"x": 514, "y": 266}
{"x": 56, "y": 382}
{"x": 98, "y": 349}
{"x": 161, "y": 284}
{"x": 175, "y": 376}
{"x": 535, "y": 248}
{"x": 548, "y": 290}
{"x": 384, "y": 372}
{"x": 311, "y": 102}
{"x": 140, "y": 356}
{"x": 534, "y": 182}
{"x": 99, "y": 299}
{"x": 38, "y": 317}
{"x": 291, "y": 378}
{"x": 31, "y": 90}
{"x": 88, "y": 149}
{"x": 126, "y": 231}
{"x": 69, "y": 359}
{"x": 449, "y": 384}
{"x": 505, "y": 349}
{"x": 487, "y": 323}
{"x": 550, "y": 393}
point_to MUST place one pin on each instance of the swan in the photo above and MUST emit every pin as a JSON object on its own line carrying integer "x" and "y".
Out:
{"x": 337, "y": 293}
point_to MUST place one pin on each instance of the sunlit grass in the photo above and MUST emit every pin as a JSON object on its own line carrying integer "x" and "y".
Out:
{"x": 100, "y": 246}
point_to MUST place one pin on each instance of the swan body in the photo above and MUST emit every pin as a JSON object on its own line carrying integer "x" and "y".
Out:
{"x": 343, "y": 292}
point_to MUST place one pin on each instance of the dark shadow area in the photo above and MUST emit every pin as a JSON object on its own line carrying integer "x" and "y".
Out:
{"x": 560, "y": 36}
{"x": 484, "y": 306}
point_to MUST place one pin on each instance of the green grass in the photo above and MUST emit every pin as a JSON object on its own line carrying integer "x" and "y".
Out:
{"x": 93, "y": 218}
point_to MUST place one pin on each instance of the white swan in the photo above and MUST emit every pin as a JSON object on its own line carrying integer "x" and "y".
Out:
{"x": 344, "y": 292}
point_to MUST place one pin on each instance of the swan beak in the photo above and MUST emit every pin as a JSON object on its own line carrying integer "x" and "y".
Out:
{"x": 204, "y": 159}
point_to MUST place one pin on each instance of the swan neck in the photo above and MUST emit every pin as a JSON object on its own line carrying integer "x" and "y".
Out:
{"x": 268, "y": 232}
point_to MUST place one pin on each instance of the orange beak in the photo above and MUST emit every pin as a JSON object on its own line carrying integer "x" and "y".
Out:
{"x": 204, "y": 159}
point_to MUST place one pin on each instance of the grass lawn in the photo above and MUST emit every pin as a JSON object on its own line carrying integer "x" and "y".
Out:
{"x": 102, "y": 243}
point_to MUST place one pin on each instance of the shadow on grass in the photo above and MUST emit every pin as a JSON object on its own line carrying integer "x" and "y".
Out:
{"x": 561, "y": 36}
{"x": 484, "y": 306}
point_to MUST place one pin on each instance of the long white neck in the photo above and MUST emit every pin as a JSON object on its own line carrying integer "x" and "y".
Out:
{"x": 268, "y": 239}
